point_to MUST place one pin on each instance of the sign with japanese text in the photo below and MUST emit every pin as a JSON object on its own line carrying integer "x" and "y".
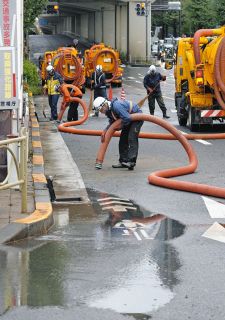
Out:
{"x": 8, "y": 50}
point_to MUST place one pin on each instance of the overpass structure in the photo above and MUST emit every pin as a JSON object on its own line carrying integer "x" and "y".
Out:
{"x": 114, "y": 22}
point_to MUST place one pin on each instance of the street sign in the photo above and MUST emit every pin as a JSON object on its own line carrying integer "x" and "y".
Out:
{"x": 8, "y": 51}
{"x": 174, "y": 5}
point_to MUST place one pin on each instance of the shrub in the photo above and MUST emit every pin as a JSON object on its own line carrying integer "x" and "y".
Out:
{"x": 31, "y": 77}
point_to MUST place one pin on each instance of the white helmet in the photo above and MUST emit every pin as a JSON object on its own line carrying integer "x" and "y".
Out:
{"x": 98, "y": 68}
{"x": 152, "y": 69}
{"x": 49, "y": 68}
{"x": 98, "y": 103}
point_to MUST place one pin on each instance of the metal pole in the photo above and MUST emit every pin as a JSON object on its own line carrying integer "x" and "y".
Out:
{"x": 23, "y": 171}
{"x": 146, "y": 27}
{"x": 179, "y": 23}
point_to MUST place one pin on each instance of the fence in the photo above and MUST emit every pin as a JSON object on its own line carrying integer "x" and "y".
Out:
{"x": 17, "y": 165}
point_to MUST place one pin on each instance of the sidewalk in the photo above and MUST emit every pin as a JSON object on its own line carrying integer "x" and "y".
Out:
{"x": 48, "y": 156}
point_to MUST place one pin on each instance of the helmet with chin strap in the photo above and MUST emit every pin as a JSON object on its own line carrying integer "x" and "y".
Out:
{"x": 50, "y": 70}
{"x": 98, "y": 103}
{"x": 98, "y": 68}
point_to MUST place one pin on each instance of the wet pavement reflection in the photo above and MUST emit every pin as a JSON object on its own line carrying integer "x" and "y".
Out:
{"x": 107, "y": 254}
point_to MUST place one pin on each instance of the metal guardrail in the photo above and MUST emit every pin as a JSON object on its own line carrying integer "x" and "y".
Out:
{"x": 19, "y": 164}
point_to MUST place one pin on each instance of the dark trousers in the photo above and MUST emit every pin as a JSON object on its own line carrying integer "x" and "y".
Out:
{"x": 151, "y": 103}
{"x": 53, "y": 100}
{"x": 72, "y": 114}
{"x": 128, "y": 144}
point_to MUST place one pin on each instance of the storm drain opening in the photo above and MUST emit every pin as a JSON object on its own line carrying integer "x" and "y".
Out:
{"x": 60, "y": 200}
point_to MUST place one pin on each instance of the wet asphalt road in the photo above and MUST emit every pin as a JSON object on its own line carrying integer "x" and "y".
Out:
{"x": 85, "y": 263}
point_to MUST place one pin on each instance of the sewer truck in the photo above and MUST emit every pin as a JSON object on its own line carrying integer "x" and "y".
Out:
{"x": 100, "y": 54}
{"x": 67, "y": 62}
{"x": 199, "y": 71}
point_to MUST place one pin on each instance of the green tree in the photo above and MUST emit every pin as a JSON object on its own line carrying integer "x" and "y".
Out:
{"x": 219, "y": 7}
{"x": 198, "y": 14}
{"x": 32, "y": 8}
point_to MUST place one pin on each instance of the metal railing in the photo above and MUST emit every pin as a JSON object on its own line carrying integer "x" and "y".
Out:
{"x": 18, "y": 165}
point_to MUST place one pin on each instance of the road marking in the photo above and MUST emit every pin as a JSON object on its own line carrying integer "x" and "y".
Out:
{"x": 115, "y": 202}
{"x": 203, "y": 142}
{"x": 215, "y": 209}
{"x": 199, "y": 140}
{"x": 215, "y": 232}
{"x": 168, "y": 98}
{"x": 119, "y": 208}
{"x": 113, "y": 198}
{"x": 137, "y": 235}
{"x": 144, "y": 233}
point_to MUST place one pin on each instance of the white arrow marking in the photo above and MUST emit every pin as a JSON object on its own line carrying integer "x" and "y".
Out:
{"x": 115, "y": 202}
{"x": 119, "y": 208}
{"x": 112, "y": 198}
{"x": 215, "y": 232}
{"x": 215, "y": 209}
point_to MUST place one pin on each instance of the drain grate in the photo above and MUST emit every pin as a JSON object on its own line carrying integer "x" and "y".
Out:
{"x": 53, "y": 195}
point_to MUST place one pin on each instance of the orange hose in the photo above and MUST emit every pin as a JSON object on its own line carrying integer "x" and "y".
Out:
{"x": 159, "y": 178}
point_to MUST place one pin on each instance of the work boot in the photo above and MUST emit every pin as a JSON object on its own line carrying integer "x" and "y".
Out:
{"x": 165, "y": 116}
{"x": 118, "y": 165}
{"x": 129, "y": 165}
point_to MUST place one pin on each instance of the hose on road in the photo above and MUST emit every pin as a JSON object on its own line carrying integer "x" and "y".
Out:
{"x": 159, "y": 178}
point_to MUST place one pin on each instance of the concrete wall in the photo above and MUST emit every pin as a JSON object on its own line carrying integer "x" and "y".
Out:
{"x": 117, "y": 25}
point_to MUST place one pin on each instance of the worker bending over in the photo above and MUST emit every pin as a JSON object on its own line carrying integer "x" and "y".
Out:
{"x": 128, "y": 143}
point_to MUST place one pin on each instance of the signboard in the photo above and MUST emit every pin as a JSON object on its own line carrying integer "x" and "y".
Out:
{"x": 8, "y": 61}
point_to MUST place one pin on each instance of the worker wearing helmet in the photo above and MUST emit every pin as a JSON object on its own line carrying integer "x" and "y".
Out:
{"x": 98, "y": 84}
{"x": 128, "y": 143}
{"x": 53, "y": 82}
{"x": 152, "y": 85}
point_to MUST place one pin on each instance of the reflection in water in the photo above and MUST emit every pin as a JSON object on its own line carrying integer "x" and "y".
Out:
{"x": 93, "y": 253}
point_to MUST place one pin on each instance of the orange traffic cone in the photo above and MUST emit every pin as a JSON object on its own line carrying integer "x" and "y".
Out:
{"x": 122, "y": 94}
{"x": 110, "y": 94}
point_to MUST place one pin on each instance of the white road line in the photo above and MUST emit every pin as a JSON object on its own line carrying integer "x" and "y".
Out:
{"x": 137, "y": 235}
{"x": 169, "y": 98}
{"x": 203, "y": 142}
{"x": 215, "y": 232}
{"x": 216, "y": 210}
{"x": 144, "y": 233}
{"x": 113, "y": 198}
{"x": 199, "y": 140}
{"x": 115, "y": 202}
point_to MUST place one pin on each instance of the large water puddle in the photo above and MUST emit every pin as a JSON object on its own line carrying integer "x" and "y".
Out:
{"x": 110, "y": 254}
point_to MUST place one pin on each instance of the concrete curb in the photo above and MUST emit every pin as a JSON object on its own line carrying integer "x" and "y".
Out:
{"x": 41, "y": 219}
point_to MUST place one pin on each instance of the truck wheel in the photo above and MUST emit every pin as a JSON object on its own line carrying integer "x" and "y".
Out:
{"x": 182, "y": 121}
{"x": 191, "y": 118}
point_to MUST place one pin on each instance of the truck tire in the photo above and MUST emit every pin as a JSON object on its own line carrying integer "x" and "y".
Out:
{"x": 182, "y": 121}
{"x": 191, "y": 118}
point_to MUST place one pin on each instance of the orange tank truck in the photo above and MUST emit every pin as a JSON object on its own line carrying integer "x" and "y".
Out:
{"x": 68, "y": 63}
{"x": 109, "y": 59}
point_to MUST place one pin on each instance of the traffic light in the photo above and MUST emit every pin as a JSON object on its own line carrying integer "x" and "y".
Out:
{"x": 53, "y": 9}
{"x": 140, "y": 8}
